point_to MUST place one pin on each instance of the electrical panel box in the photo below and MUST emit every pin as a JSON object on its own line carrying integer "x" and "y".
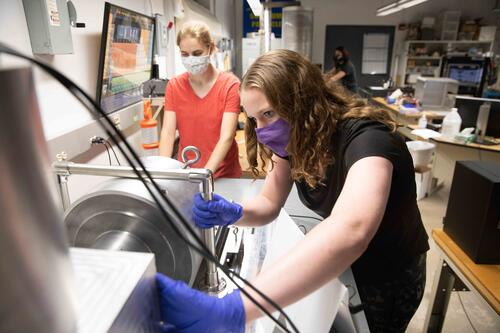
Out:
{"x": 161, "y": 35}
{"x": 48, "y": 26}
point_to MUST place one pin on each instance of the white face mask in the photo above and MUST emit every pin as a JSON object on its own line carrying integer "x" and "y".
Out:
{"x": 196, "y": 65}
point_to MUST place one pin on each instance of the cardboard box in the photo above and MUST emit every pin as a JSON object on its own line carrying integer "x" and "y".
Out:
{"x": 487, "y": 33}
{"x": 422, "y": 181}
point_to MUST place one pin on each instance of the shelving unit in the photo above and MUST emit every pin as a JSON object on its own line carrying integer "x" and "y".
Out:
{"x": 424, "y": 57}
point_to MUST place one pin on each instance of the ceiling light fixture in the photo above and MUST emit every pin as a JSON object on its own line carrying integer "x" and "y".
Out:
{"x": 396, "y": 6}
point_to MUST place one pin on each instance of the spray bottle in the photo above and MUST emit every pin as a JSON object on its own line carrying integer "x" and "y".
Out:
{"x": 149, "y": 132}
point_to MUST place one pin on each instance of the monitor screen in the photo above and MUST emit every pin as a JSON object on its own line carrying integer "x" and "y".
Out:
{"x": 465, "y": 75}
{"x": 126, "y": 57}
{"x": 468, "y": 109}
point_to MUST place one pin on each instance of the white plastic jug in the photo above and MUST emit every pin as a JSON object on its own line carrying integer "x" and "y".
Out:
{"x": 451, "y": 125}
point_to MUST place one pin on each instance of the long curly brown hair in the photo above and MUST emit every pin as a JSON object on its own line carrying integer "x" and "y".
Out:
{"x": 298, "y": 93}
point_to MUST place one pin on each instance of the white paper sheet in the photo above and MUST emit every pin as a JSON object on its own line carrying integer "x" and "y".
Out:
{"x": 426, "y": 133}
{"x": 314, "y": 313}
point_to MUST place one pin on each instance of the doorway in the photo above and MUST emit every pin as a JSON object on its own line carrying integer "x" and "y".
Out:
{"x": 370, "y": 49}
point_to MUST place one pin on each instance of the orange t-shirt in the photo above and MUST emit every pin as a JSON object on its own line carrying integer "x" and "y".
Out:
{"x": 199, "y": 119}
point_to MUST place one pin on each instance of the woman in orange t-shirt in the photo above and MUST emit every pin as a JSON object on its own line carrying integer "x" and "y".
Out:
{"x": 203, "y": 104}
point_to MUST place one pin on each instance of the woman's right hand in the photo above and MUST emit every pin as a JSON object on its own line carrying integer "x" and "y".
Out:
{"x": 217, "y": 211}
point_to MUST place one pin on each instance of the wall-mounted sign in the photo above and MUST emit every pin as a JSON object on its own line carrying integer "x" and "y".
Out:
{"x": 251, "y": 23}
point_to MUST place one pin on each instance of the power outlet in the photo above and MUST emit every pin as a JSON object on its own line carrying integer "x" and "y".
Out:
{"x": 116, "y": 121}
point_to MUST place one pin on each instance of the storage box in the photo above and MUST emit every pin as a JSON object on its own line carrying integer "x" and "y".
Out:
{"x": 487, "y": 33}
{"x": 473, "y": 215}
{"x": 422, "y": 180}
{"x": 448, "y": 24}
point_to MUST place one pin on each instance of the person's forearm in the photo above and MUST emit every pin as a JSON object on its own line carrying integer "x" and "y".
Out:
{"x": 337, "y": 76}
{"x": 219, "y": 153}
{"x": 167, "y": 143}
{"x": 257, "y": 212}
{"x": 334, "y": 246}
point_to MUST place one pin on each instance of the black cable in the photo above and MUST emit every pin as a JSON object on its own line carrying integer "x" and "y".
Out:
{"x": 466, "y": 314}
{"x": 97, "y": 140}
{"x": 107, "y": 151}
{"x": 113, "y": 150}
{"x": 306, "y": 217}
{"x": 169, "y": 211}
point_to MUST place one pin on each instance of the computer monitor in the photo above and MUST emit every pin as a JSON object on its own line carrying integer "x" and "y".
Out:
{"x": 468, "y": 108}
{"x": 470, "y": 75}
{"x": 126, "y": 57}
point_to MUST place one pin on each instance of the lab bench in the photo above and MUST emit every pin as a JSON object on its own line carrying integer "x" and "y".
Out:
{"x": 456, "y": 271}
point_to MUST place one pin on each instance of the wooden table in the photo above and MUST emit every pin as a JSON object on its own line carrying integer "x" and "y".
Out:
{"x": 457, "y": 271}
{"x": 402, "y": 118}
{"x": 448, "y": 152}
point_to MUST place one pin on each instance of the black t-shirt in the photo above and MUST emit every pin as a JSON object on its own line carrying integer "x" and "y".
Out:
{"x": 401, "y": 236}
{"x": 349, "y": 80}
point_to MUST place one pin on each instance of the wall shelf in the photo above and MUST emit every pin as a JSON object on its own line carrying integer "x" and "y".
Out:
{"x": 424, "y": 57}
{"x": 417, "y": 55}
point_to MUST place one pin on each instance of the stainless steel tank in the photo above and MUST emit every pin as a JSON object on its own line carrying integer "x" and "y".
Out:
{"x": 36, "y": 280}
{"x": 121, "y": 215}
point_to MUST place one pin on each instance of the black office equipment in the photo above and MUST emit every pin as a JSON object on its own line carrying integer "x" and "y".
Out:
{"x": 126, "y": 57}
{"x": 470, "y": 72}
{"x": 473, "y": 214}
{"x": 468, "y": 109}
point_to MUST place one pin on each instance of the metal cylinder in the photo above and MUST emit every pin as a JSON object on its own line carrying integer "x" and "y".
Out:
{"x": 35, "y": 270}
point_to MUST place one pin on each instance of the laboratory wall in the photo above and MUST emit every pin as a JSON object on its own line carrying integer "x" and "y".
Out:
{"x": 61, "y": 113}
{"x": 66, "y": 123}
{"x": 362, "y": 12}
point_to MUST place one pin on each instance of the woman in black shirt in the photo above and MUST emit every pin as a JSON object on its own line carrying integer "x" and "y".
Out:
{"x": 344, "y": 70}
{"x": 352, "y": 168}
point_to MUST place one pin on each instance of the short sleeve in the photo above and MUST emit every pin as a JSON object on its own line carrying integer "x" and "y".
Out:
{"x": 233, "y": 97}
{"x": 373, "y": 142}
{"x": 169, "y": 97}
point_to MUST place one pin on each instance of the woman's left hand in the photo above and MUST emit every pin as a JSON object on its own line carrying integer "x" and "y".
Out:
{"x": 191, "y": 311}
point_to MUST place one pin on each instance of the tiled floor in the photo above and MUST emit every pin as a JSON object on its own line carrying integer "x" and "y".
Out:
{"x": 433, "y": 209}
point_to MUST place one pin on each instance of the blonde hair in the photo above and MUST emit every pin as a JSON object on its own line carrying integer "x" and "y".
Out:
{"x": 198, "y": 30}
{"x": 298, "y": 93}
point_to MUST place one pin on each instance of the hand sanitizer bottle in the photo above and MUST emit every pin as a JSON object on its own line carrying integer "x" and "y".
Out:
{"x": 422, "y": 121}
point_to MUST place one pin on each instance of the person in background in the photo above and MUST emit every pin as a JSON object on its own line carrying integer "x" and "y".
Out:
{"x": 344, "y": 70}
{"x": 203, "y": 104}
{"x": 352, "y": 168}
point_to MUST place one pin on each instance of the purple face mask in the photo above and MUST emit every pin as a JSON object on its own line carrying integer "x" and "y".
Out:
{"x": 275, "y": 136}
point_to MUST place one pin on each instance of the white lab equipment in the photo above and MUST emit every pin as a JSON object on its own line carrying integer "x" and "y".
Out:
{"x": 433, "y": 93}
{"x": 482, "y": 119}
{"x": 421, "y": 152}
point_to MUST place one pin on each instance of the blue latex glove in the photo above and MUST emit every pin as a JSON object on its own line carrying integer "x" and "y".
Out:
{"x": 217, "y": 211}
{"x": 191, "y": 311}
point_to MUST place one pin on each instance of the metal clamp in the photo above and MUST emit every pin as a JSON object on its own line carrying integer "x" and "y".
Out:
{"x": 187, "y": 162}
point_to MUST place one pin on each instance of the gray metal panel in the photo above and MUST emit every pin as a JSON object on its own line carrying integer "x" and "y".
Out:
{"x": 48, "y": 36}
{"x": 116, "y": 291}
{"x": 77, "y": 141}
{"x": 35, "y": 272}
